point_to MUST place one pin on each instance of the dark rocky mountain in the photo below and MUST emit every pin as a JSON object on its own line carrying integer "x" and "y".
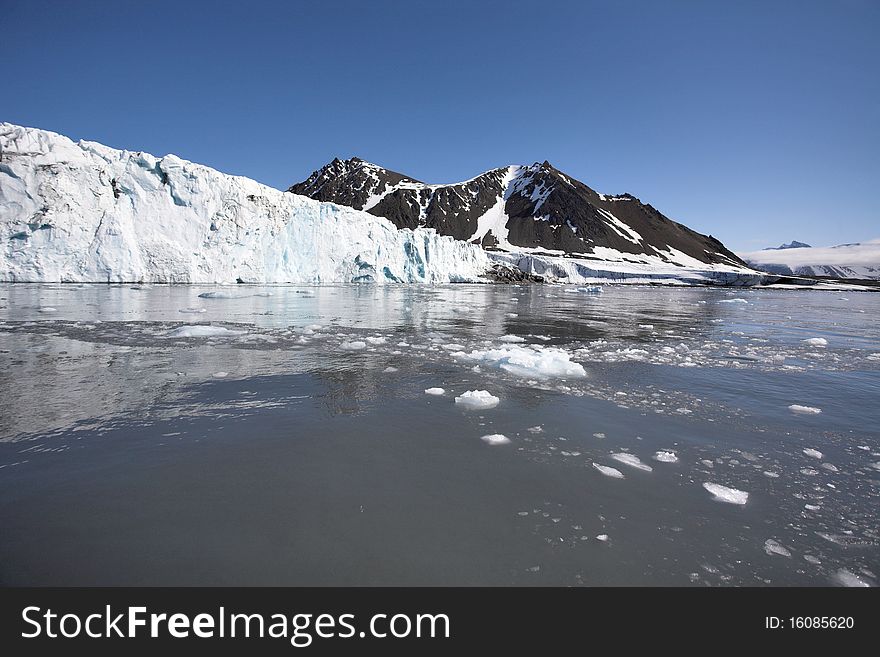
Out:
{"x": 794, "y": 244}
{"x": 533, "y": 208}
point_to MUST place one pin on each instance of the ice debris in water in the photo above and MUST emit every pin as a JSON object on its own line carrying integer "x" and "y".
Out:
{"x": 48, "y": 309}
{"x": 191, "y": 310}
{"x": 495, "y": 439}
{"x": 590, "y": 289}
{"x": 733, "y": 301}
{"x": 512, "y": 338}
{"x": 815, "y": 453}
{"x": 608, "y": 471}
{"x": 804, "y": 410}
{"x": 477, "y": 400}
{"x": 724, "y": 494}
{"x": 200, "y": 331}
{"x": 632, "y": 461}
{"x": 376, "y": 340}
{"x": 844, "y": 577}
{"x": 816, "y": 342}
{"x": 434, "y": 391}
{"x": 220, "y": 375}
{"x": 389, "y": 370}
{"x": 528, "y": 362}
{"x": 221, "y": 295}
{"x": 355, "y": 345}
{"x": 602, "y": 537}
{"x": 772, "y": 547}
{"x": 665, "y": 456}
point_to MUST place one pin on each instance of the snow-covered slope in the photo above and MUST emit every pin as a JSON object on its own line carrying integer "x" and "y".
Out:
{"x": 84, "y": 212}
{"x": 857, "y": 261}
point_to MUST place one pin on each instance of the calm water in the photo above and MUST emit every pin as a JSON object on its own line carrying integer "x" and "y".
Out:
{"x": 299, "y": 446}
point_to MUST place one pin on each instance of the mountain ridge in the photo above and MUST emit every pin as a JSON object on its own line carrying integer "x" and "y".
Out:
{"x": 532, "y": 207}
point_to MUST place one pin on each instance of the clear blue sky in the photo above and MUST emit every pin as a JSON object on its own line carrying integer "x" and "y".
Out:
{"x": 758, "y": 122}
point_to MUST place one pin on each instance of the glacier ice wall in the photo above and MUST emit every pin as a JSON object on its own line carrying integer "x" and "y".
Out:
{"x": 85, "y": 212}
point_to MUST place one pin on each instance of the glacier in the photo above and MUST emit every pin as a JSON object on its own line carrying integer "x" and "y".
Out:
{"x": 84, "y": 212}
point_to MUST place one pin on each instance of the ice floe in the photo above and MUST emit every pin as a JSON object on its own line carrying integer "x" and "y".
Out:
{"x": 200, "y": 331}
{"x": 609, "y": 471}
{"x": 355, "y": 345}
{"x": 192, "y": 310}
{"x": 815, "y": 453}
{"x": 844, "y": 577}
{"x": 435, "y": 391}
{"x": 528, "y": 362}
{"x": 632, "y": 461}
{"x": 772, "y": 547}
{"x": 725, "y": 494}
{"x": 816, "y": 342}
{"x": 477, "y": 400}
{"x": 665, "y": 456}
{"x": 495, "y": 439}
{"x": 804, "y": 410}
{"x": 512, "y": 338}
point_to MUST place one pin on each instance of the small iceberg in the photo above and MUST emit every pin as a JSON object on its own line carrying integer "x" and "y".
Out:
{"x": 477, "y": 400}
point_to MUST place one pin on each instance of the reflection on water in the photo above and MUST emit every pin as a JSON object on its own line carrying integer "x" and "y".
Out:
{"x": 297, "y": 446}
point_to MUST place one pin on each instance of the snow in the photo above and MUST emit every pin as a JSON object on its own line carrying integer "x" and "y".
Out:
{"x": 528, "y": 362}
{"x": 435, "y": 391}
{"x": 105, "y": 215}
{"x": 475, "y": 400}
{"x": 665, "y": 456}
{"x": 495, "y": 439}
{"x": 724, "y": 494}
{"x": 200, "y": 331}
{"x": 512, "y": 338}
{"x": 815, "y": 453}
{"x": 816, "y": 342}
{"x": 632, "y": 461}
{"x": 608, "y": 471}
{"x": 859, "y": 260}
{"x": 804, "y": 410}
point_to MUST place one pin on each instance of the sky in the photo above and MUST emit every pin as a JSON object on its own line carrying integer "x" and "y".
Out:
{"x": 756, "y": 122}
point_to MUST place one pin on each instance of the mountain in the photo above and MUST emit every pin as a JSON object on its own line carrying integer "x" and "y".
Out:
{"x": 531, "y": 209}
{"x": 84, "y": 212}
{"x": 794, "y": 244}
{"x": 848, "y": 261}
{"x": 88, "y": 213}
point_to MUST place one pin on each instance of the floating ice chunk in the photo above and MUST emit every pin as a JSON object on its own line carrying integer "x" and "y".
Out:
{"x": 313, "y": 327}
{"x": 632, "y": 461}
{"x": 528, "y": 362}
{"x": 200, "y": 331}
{"x": 804, "y": 410}
{"x": 772, "y": 547}
{"x": 733, "y": 301}
{"x": 816, "y": 342}
{"x": 537, "y": 429}
{"x": 646, "y": 326}
{"x": 474, "y": 400}
{"x": 811, "y": 559}
{"x": 812, "y": 507}
{"x": 48, "y": 309}
{"x": 590, "y": 289}
{"x": 355, "y": 345}
{"x": 599, "y": 435}
{"x": 809, "y": 472}
{"x": 665, "y": 456}
{"x": 193, "y": 310}
{"x": 220, "y": 375}
{"x": 511, "y": 315}
{"x": 435, "y": 391}
{"x": 724, "y": 494}
{"x": 512, "y": 338}
{"x": 222, "y": 295}
{"x": 389, "y": 370}
{"x": 830, "y": 467}
{"x": 815, "y": 453}
{"x": 608, "y": 471}
{"x": 495, "y": 439}
{"x": 376, "y": 340}
{"x": 844, "y": 577}
{"x": 602, "y": 537}
{"x": 772, "y": 475}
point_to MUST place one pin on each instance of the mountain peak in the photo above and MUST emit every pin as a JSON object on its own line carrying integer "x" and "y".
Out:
{"x": 532, "y": 208}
